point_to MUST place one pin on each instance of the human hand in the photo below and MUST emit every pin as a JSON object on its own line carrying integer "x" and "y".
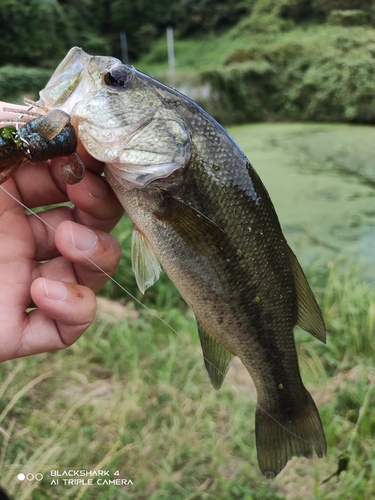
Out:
{"x": 48, "y": 270}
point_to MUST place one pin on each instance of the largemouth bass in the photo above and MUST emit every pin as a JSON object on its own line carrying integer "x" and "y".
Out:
{"x": 201, "y": 212}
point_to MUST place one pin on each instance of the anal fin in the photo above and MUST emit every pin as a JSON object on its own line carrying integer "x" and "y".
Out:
{"x": 216, "y": 357}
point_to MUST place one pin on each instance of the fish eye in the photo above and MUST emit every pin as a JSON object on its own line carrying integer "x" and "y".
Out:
{"x": 118, "y": 77}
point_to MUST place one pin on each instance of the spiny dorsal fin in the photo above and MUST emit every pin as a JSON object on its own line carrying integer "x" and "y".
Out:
{"x": 309, "y": 315}
{"x": 216, "y": 357}
{"x": 198, "y": 231}
{"x": 145, "y": 264}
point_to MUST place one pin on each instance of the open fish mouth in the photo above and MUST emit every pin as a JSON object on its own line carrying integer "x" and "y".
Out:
{"x": 77, "y": 75}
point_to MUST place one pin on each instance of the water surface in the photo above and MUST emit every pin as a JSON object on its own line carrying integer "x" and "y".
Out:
{"x": 321, "y": 179}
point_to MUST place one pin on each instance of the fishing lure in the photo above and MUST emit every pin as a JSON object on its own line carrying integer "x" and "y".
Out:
{"x": 43, "y": 138}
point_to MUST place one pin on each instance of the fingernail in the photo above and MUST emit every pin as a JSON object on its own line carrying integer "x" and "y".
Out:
{"x": 55, "y": 290}
{"x": 83, "y": 239}
{"x": 96, "y": 187}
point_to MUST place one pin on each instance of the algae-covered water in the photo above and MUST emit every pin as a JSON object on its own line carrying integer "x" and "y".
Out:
{"x": 321, "y": 179}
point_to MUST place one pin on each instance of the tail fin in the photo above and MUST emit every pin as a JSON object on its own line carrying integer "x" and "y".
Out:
{"x": 281, "y": 436}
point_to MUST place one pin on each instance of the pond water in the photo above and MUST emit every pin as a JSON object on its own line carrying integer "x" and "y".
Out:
{"x": 321, "y": 179}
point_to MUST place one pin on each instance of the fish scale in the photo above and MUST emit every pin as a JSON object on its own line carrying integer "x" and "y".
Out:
{"x": 199, "y": 208}
{"x": 260, "y": 333}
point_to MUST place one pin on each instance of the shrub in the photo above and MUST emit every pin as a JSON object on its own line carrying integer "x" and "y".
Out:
{"x": 264, "y": 23}
{"x": 242, "y": 92}
{"x": 328, "y": 6}
{"x": 333, "y": 80}
{"x": 325, "y": 74}
{"x": 348, "y": 17}
{"x": 17, "y": 81}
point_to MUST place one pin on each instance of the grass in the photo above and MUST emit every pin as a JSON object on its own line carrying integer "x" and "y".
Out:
{"x": 132, "y": 395}
{"x": 210, "y": 51}
{"x": 128, "y": 396}
{"x": 304, "y": 72}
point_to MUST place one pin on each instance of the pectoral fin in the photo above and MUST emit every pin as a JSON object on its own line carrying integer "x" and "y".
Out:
{"x": 197, "y": 230}
{"x": 309, "y": 315}
{"x": 145, "y": 264}
{"x": 216, "y": 357}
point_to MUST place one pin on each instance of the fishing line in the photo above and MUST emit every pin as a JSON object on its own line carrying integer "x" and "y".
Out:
{"x": 155, "y": 315}
{"x": 25, "y": 116}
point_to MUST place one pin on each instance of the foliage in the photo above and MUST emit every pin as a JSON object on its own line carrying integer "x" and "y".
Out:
{"x": 328, "y": 6}
{"x": 288, "y": 9}
{"x": 298, "y": 10}
{"x": 33, "y": 31}
{"x": 40, "y": 32}
{"x": 242, "y": 91}
{"x": 145, "y": 21}
{"x": 132, "y": 396}
{"x": 142, "y": 21}
{"x": 348, "y": 17}
{"x": 324, "y": 74}
{"x": 334, "y": 86}
{"x": 16, "y": 80}
{"x": 302, "y": 10}
{"x": 192, "y": 17}
{"x": 263, "y": 23}
{"x": 263, "y": 59}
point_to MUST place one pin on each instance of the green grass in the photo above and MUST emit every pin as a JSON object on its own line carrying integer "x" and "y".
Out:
{"x": 249, "y": 73}
{"x": 132, "y": 394}
{"x": 210, "y": 51}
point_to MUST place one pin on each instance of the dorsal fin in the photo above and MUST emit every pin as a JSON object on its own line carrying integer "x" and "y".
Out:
{"x": 216, "y": 357}
{"x": 309, "y": 315}
{"x": 145, "y": 264}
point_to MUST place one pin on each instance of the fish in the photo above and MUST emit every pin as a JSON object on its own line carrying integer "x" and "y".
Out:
{"x": 201, "y": 213}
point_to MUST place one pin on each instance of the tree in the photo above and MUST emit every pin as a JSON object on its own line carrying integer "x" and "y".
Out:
{"x": 32, "y": 31}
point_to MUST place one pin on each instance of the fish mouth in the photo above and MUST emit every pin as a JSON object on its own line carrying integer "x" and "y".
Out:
{"x": 78, "y": 75}
{"x": 138, "y": 141}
